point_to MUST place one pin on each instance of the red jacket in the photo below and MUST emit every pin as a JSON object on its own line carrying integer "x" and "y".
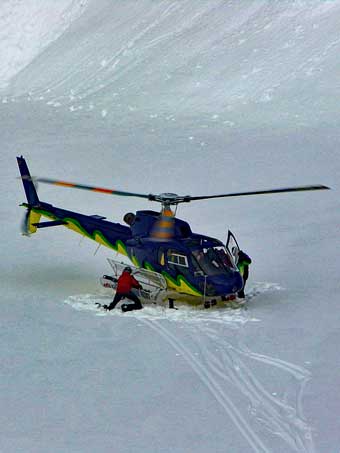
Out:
{"x": 126, "y": 282}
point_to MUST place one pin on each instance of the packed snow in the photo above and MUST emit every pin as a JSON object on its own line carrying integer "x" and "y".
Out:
{"x": 185, "y": 97}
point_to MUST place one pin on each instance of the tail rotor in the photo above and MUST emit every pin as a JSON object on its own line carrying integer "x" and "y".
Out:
{"x": 24, "y": 226}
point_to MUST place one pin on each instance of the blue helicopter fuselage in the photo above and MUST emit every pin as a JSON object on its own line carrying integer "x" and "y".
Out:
{"x": 194, "y": 266}
{"x": 193, "y": 263}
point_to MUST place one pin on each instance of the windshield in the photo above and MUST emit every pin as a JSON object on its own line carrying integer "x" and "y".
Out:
{"x": 213, "y": 260}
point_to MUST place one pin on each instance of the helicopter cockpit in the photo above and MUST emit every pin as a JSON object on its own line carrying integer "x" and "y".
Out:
{"x": 214, "y": 260}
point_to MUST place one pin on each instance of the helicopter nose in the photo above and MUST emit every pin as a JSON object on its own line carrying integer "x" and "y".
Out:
{"x": 224, "y": 285}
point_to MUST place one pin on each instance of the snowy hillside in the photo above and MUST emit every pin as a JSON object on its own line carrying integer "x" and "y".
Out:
{"x": 27, "y": 28}
{"x": 166, "y": 58}
{"x": 172, "y": 96}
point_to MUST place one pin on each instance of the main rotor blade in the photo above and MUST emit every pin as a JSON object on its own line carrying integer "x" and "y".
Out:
{"x": 73, "y": 185}
{"x": 172, "y": 199}
{"x": 259, "y": 192}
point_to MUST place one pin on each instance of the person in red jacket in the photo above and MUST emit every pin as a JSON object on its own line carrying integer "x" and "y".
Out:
{"x": 126, "y": 283}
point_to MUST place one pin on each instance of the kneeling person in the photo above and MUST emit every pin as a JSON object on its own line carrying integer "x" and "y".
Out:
{"x": 126, "y": 283}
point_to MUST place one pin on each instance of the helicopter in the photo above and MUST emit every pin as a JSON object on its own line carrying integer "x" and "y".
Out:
{"x": 196, "y": 268}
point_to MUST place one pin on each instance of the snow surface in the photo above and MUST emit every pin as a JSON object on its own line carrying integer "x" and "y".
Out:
{"x": 186, "y": 97}
{"x": 28, "y": 27}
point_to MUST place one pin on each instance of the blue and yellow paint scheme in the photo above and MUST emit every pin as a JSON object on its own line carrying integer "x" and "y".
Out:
{"x": 173, "y": 257}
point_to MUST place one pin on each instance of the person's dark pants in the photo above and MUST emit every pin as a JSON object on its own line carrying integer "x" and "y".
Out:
{"x": 241, "y": 294}
{"x": 131, "y": 296}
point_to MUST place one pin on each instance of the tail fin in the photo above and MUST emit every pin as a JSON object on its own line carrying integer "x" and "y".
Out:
{"x": 31, "y": 193}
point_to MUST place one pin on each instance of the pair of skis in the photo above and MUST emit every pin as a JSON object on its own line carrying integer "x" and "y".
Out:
{"x": 124, "y": 307}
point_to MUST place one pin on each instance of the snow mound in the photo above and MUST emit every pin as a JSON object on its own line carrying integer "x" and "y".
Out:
{"x": 185, "y": 313}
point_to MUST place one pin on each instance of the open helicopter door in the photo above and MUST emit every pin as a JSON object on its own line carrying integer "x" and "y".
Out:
{"x": 232, "y": 247}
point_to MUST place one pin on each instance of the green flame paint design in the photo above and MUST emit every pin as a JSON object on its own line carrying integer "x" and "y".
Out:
{"x": 181, "y": 284}
{"x": 96, "y": 236}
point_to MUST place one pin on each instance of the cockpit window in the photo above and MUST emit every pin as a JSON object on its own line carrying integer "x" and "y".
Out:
{"x": 213, "y": 260}
{"x": 224, "y": 257}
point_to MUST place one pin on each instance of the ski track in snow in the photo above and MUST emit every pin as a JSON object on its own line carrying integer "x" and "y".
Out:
{"x": 224, "y": 366}
{"x": 278, "y": 417}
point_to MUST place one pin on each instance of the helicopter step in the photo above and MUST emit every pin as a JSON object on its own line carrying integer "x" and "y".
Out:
{"x": 154, "y": 284}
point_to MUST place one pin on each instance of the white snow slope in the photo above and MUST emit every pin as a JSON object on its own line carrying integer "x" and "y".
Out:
{"x": 197, "y": 97}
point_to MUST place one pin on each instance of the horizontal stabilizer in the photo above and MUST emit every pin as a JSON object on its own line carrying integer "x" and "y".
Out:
{"x": 49, "y": 224}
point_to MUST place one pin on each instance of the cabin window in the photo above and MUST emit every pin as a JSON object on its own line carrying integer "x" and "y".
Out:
{"x": 177, "y": 259}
